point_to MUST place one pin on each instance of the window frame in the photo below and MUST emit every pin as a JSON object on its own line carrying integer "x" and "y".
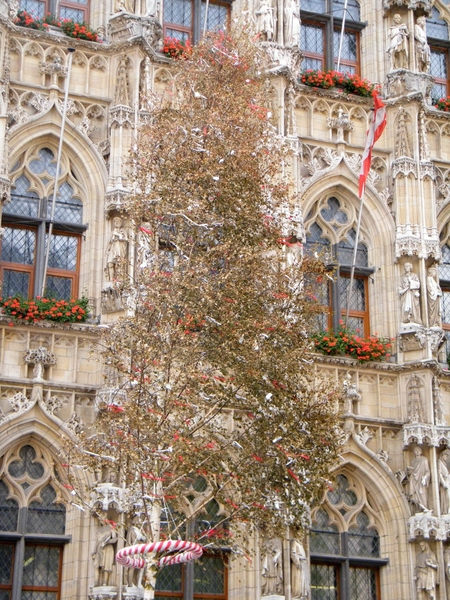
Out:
{"x": 54, "y": 7}
{"x": 331, "y": 24}
{"x": 195, "y": 30}
{"x": 443, "y": 48}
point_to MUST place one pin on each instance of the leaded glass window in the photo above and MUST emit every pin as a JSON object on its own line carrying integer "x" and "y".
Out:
{"x": 185, "y": 19}
{"x": 437, "y": 29}
{"x": 329, "y": 236}
{"x": 24, "y": 246}
{"x": 30, "y": 569}
{"x": 345, "y": 545}
{"x": 320, "y": 35}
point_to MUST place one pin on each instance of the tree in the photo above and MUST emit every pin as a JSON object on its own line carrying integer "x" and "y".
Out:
{"x": 214, "y": 383}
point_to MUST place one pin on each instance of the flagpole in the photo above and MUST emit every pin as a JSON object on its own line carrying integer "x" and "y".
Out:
{"x": 341, "y": 39}
{"x": 58, "y": 163}
{"x": 375, "y": 130}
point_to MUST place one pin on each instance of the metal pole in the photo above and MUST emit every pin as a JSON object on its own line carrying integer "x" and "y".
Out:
{"x": 355, "y": 251}
{"x": 58, "y": 164}
{"x": 341, "y": 39}
{"x": 205, "y": 22}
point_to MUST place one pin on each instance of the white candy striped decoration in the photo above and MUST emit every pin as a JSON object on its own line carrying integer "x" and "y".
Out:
{"x": 191, "y": 551}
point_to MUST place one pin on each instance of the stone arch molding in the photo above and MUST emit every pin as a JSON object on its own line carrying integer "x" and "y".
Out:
{"x": 376, "y": 221}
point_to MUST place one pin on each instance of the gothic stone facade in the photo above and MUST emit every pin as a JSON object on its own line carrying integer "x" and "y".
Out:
{"x": 383, "y": 531}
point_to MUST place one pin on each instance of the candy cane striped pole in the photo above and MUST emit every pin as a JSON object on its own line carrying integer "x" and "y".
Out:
{"x": 190, "y": 551}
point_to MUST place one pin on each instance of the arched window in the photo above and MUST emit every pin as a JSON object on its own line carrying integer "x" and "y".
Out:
{"x": 321, "y": 34}
{"x": 331, "y": 234}
{"x": 438, "y": 39}
{"x": 345, "y": 546}
{"x": 208, "y": 576}
{"x": 26, "y": 221}
{"x": 32, "y": 527}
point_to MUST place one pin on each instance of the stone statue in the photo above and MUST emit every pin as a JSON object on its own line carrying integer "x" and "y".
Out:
{"x": 398, "y": 48}
{"x": 135, "y": 536}
{"x": 423, "y": 54}
{"x": 265, "y": 20}
{"x": 426, "y": 573}
{"x": 447, "y": 562}
{"x": 104, "y": 556}
{"x": 116, "y": 251}
{"x": 434, "y": 294}
{"x": 299, "y": 572}
{"x": 444, "y": 481}
{"x": 144, "y": 249}
{"x": 410, "y": 296}
{"x": 272, "y": 571}
{"x": 291, "y": 23}
{"x": 418, "y": 479}
{"x": 124, "y": 6}
{"x": 152, "y": 8}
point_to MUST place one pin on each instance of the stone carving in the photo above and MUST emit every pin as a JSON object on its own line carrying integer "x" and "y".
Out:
{"x": 104, "y": 556}
{"x": 402, "y": 146}
{"x": 74, "y": 424}
{"x": 124, "y": 6}
{"x": 122, "y": 95}
{"x": 20, "y": 403}
{"x": 439, "y": 417}
{"x": 444, "y": 481}
{"x": 116, "y": 251}
{"x": 423, "y": 144}
{"x": 351, "y": 393}
{"x": 290, "y": 126}
{"x": 38, "y": 101}
{"x": 265, "y": 20}
{"x": 291, "y": 23}
{"x": 422, "y": 433}
{"x": 41, "y": 358}
{"x": 109, "y": 495}
{"x": 134, "y": 536}
{"x": 434, "y": 294}
{"x": 144, "y": 249}
{"x": 97, "y": 63}
{"x": 111, "y": 300}
{"x": 122, "y": 116}
{"x": 53, "y": 404}
{"x": 85, "y": 126}
{"x": 418, "y": 475}
{"x": 415, "y": 412}
{"x": 422, "y": 49}
{"x": 410, "y": 296}
{"x": 426, "y": 573}
{"x": 272, "y": 569}
{"x": 109, "y": 396}
{"x": 365, "y": 436}
{"x": 404, "y": 166}
{"x": 56, "y": 69}
{"x": 383, "y": 455}
{"x": 425, "y": 525}
{"x": 341, "y": 123}
{"x": 299, "y": 572}
{"x": 398, "y": 48}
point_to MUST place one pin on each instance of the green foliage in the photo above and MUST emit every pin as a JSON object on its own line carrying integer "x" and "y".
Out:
{"x": 346, "y": 342}
{"x": 49, "y": 309}
{"x": 349, "y": 82}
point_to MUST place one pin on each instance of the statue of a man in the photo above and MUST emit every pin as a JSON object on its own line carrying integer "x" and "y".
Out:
{"x": 426, "y": 573}
{"x": 116, "y": 252}
{"x": 135, "y": 536}
{"x": 398, "y": 48}
{"x": 423, "y": 54}
{"x": 291, "y": 23}
{"x": 104, "y": 556}
{"x": 434, "y": 295}
{"x": 299, "y": 572}
{"x": 410, "y": 296}
{"x": 272, "y": 571}
{"x": 419, "y": 479}
{"x": 265, "y": 22}
{"x": 444, "y": 481}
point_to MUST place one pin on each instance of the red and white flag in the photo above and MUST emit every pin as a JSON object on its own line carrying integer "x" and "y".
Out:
{"x": 375, "y": 131}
